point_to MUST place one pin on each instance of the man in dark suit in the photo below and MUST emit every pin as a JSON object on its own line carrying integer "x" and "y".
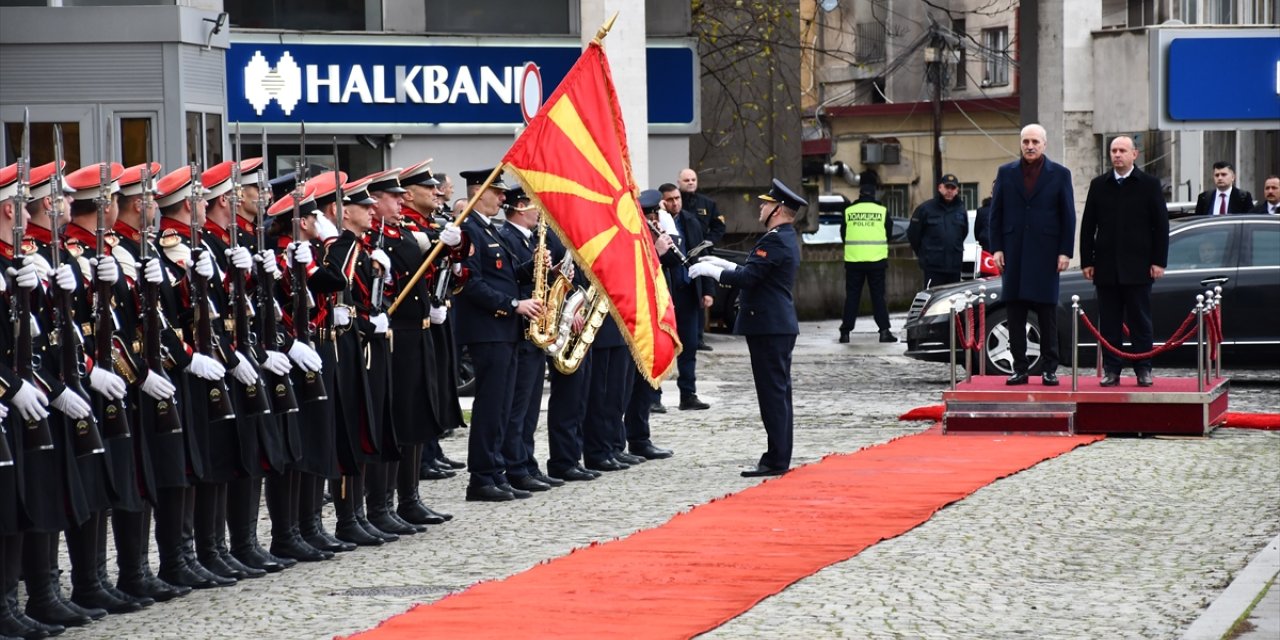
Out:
{"x": 689, "y": 295}
{"x": 1033, "y": 226}
{"x": 488, "y": 308}
{"x": 768, "y": 318}
{"x": 1225, "y": 198}
{"x": 1270, "y": 202}
{"x": 1124, "y": 248}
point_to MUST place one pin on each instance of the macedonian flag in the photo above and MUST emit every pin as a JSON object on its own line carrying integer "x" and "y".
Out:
{"x": 572, "y": 160}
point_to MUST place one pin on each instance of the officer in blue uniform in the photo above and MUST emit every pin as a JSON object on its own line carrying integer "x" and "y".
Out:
{"x": 488, "y": 308}
{"x": 768, "y": 318}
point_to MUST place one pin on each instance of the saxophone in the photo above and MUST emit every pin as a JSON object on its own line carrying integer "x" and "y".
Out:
{"x": 544, "y": 330}
{"x": 571, "y": 349}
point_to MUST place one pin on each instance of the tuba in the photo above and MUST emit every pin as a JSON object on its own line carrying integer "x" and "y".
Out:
{"x": 544, "y": 330}
{"x": 571, "y": 348}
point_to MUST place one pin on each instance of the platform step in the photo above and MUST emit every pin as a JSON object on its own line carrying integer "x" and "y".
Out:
{"x": 1009, "y": 417}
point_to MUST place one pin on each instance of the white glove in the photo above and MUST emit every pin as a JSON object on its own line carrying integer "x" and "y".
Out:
{"x": 451, "y": 235}
{"x": 105, "y": 269}
{"x": 341, "y": 317}
{"x": 204, "y": 265}
{"x": 569, "y": 270}
{"x": 269, "y": 265}
{"x": 26, "y": 278}
{"x": 325, "y": 228}
{"x": 277, "y": 363}
{"x": 152, "y": 271}
{"x": 71, "y": 405}
{"x": 380, "y": 323}
{"x": 305, "y": 357}
{"x": 244, "y": 371}
{"x": 239, "y": 258}
{"x": 156, "y": 386}
{"x": 107, "y": 383}
{"x": 439, "y": 315}
{"x": 379, "y": 256}
{"x": 30, "y": 402}
{"x": 206, "y": 368}
{"x": 719, "y": 262}
{"x": 705, "y": 269}
{"x": 300, "y": 252}
{"x": 64, "y": 278}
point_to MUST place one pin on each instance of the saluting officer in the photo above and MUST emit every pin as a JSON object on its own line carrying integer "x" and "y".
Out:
{"x": 768, "y": 318}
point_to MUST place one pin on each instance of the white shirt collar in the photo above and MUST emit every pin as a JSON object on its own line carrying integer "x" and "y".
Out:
{"x": 1122, "y": 177}
{"x": 527, "y": 233}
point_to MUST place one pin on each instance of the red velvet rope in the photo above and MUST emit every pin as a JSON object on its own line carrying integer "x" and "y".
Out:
{"x": 1180, "y": 335}
{"x": 1214, "y": 330}
{"x": 966, "y": 337}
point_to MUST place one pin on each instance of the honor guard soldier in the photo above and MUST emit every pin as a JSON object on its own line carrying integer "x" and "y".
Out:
{"x": 768, "y": 318}
{"x": 422, "y": 213}
{"x": 489, "y": 306}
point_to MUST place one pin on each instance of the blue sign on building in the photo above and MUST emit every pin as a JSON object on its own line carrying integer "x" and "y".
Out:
{"x": 430, "y": 84}
{"x": 1224, "y": 79}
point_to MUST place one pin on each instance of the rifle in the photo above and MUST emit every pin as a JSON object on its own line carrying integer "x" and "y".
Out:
{"x": 255, "y": 394}
{"x": 115, "y": 419}
{"x": 36, "y": 435}
{"x": 283, "y": 399}
{"x": 166, "y": 415}
{"x": 312, "y": 384}
{"x": 65, "y": 337}
{"x": 218, "y": 401}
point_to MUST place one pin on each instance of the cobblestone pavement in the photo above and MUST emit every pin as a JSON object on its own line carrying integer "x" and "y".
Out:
{"x": 1124, "y": 538}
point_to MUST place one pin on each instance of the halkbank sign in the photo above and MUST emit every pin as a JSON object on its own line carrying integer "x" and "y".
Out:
{"x": 475, "y": 84}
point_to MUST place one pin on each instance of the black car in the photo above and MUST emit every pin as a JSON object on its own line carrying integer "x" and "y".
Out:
{"x": 1240, "y": 253}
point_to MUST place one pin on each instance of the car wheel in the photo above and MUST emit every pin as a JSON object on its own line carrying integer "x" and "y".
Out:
{"x": 999, "y": 355}
{"x": 466, "y": 373}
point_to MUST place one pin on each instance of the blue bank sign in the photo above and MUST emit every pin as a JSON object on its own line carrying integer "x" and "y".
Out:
{"x": 472, "y": 84}
{"x": 1224, "y": 79}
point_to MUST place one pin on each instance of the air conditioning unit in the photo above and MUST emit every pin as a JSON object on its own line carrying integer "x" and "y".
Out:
{"x": 880, "y": 153}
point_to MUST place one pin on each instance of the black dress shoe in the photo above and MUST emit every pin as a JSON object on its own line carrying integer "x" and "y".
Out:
{"x": 608, "y": 464}
{"x": 435, "y": 473}
{"x": 657, "y": 407}
{"x": 887, "y": 336}
{"x": 527, "y": 483}
{"x": 761, "y": 470}
{"x": 702, "y": 346}
{"x": 574, "y": 474}
{"x": 629, "y": 458}
{"x": 519, "y": 494}
{"x": 444, "y": 461}
{"x": 353, "y": 533}
{"x": 690, "y": 402}
{"x": 547, "y": 480}
{"x": 488, "y": 493}
{"x": 1016, "y": 379}
{"x": 1109, "y": 380}
{"x": 593, "y": 472}
{"x": 650, "y": 452}
{"x": 1145, "y": 379}
{"x": 1049, "y": 379}
{"x": 844, "y": 337}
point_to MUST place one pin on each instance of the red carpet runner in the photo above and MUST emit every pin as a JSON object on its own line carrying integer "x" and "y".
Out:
{"x": 704, "y": 567}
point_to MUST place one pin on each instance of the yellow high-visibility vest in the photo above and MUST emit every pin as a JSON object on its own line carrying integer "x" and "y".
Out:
{"x": 864, "y": 239}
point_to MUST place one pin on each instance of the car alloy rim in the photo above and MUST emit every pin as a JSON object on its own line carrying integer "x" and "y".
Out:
{"x": 998, "y": 352}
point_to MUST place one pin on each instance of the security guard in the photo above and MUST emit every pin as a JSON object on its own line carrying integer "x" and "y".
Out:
{"x": 937, "y": 232}
{"x": 768, "y": 318}
{"x": 866, "y": 228}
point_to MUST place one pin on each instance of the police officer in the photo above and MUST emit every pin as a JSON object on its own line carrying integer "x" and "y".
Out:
{"x": 768, "y": 318}
{"x": 866, "y": 228}
{"x": 937, "y": 232}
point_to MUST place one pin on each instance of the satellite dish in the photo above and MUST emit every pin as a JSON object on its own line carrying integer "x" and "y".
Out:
{"x": 829, "y": 5}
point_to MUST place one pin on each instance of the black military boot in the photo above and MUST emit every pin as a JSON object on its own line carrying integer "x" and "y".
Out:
{"x": 131, "y": 531}
{"x": 209, "y": 525}
{"x": 182, "y": 568}
{"x": 170, "y": 514}
{"x": 129, "y": 537}
{"x": 376, "y": 501}
{"x": 243, "y": 498}
{"x": 86, "y": 585}
{"x": 348, "y": 528}
{"x": 13, "y": 622}
{"x": 43, "y": 603}
{"x": 310, "y": 520}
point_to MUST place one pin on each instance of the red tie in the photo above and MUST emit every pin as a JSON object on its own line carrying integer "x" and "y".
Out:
{"x": 1222, "y": 204}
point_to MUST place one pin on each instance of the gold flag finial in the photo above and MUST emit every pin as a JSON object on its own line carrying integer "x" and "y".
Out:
{"x": 604, "y": 28}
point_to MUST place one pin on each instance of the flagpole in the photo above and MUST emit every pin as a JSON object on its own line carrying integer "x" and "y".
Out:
{"x": 604, "y": 29}
{"x": 435, "y": 251}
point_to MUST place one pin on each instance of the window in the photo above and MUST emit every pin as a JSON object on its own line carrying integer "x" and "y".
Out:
{"x": 870, "y": 45}
{"x": 319, "y": 15}
{"x": 558, "y": 17}
{"x": 42, "y": 143}
{"x": 870, "y": 91}
{"x": 1199, "y": 249}
{"x": 210, "y": 124}
{"x": 1220, "y": 11}
{"x": 894, "y": 198}
{"x": 969, "y": 195}
{"x": 135, "y": 140}
{"x": 958, "y": 27}
{"x": 995, "y": 44}
{"x": 1263, "y": 247}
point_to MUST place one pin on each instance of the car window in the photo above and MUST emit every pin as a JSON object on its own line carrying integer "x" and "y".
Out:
{"x": 1204, "y": 248}
{"x": 1262, "y": 249}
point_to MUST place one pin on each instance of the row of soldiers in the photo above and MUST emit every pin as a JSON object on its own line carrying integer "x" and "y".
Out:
{"x": 228, "y": 342}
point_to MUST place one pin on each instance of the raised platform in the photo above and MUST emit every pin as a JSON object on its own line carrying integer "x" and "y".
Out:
{"x": 1172, "y": 406}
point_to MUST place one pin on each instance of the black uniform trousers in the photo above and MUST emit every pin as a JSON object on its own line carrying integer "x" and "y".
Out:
{"x": 639, "y": 407}
{"x": 873, "y": 274}
{"x": 1048, "y": 315}
{"x": 526, "y": 403}
{"x": 771, "y": 369}
{"x": 688, "y": 306}
{"x": 603, "y": 432}
{"x": 566, "y": 409}
{"x": 495, "y": 366}
{"x": 1120, "y": 305}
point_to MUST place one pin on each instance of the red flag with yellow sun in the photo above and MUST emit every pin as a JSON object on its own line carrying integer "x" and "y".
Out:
{"x": 572, "y": 160}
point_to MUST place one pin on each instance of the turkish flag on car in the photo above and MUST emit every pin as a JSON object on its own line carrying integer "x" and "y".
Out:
{"x": 988, "y": 265}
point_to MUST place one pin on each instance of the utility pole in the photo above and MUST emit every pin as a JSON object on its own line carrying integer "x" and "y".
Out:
{"x": 934, "y": 57}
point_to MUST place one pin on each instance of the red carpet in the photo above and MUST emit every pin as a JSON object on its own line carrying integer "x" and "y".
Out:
{"x": 1265, "y": 421}
{"x": 704, "y": 567}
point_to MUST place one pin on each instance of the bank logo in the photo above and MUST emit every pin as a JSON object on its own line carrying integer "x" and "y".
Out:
{"x": 283, "y": 83}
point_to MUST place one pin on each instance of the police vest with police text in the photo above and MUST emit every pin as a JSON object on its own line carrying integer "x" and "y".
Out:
{"x": 864, "y": 239}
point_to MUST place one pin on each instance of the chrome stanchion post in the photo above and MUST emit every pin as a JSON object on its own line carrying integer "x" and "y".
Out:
{"x": 952, "y": 313}
{"x": 1217, "y": 304}
{"x": 968, "y": 353}
{"x": 982, "y": 313}
{"x": 1075, "y": 343}
{"x": 1200, "y": 343}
